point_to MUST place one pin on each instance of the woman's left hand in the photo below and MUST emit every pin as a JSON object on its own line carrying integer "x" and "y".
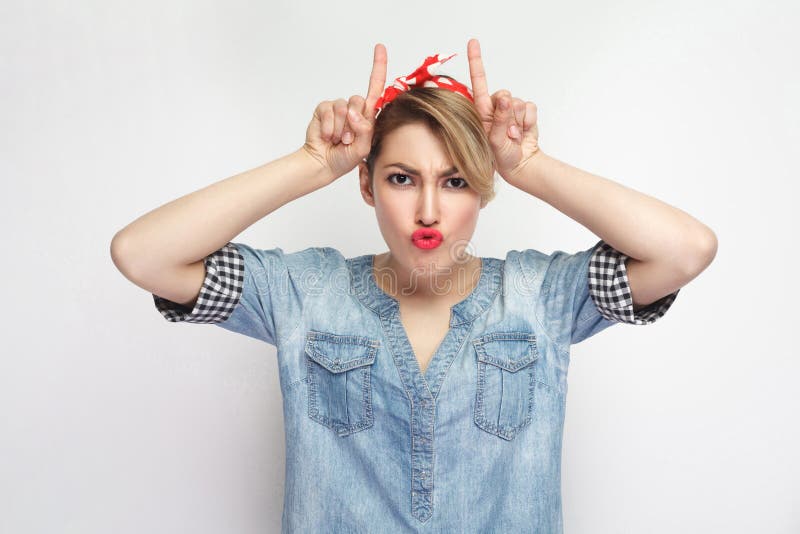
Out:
{"x": 509, "y": 122}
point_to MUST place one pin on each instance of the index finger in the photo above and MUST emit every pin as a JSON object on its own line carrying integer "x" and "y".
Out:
{"x": 476, "y": 72}
{"x": 376, "y": 80}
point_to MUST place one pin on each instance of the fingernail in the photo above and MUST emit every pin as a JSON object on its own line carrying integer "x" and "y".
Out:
{"x": 503, "y": 103}
{"x": 347, "y": 138}
{"x": 353, "y": 115}
{"x": 514, "y": 131}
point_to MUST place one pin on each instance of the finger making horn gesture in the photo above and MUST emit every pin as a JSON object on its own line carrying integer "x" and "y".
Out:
{"x": 340, "y": 132}
{"x": 339, "y": 135}
{"x": 509, "y": 122}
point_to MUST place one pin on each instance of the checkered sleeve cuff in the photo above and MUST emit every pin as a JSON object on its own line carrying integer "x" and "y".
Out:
{"x": 608, "y": 286}
{"x": 219, "y": 295}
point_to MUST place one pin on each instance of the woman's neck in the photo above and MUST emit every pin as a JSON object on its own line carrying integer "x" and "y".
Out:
{"x": 447, "y": 285}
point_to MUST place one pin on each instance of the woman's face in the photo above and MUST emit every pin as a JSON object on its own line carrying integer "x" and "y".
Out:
{"x": 415, "y": 185}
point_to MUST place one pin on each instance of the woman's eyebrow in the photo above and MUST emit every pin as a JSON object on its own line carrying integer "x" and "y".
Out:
{"x": 409, "y": 170}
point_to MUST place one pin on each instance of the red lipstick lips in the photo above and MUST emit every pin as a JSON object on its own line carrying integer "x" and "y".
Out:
{"x": 427, "y": 238}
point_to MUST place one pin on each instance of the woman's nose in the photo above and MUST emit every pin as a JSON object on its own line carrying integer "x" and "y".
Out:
{"x": 428, "y": 205}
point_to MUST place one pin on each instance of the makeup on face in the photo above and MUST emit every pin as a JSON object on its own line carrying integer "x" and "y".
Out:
{"x": 414, "y": 172}
{"x": 419, "y": 194}
{"x": 427, "y": 238}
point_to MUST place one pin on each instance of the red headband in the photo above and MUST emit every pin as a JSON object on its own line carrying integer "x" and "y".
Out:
{"x": 422, "y": 77}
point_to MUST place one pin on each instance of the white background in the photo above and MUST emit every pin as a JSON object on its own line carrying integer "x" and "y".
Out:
{"x": 115, "y": 420}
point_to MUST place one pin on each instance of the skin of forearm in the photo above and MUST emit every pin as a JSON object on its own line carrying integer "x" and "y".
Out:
{"x": 636, "y": 224}
{"x": 193, "y": 226}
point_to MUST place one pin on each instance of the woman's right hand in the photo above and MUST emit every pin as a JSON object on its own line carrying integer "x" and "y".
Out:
{"x": 339, "y": 135}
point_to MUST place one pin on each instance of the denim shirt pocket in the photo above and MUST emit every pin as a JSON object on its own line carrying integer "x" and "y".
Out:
{"x": 339, "y": 387}
{"x": 504, "y": 400}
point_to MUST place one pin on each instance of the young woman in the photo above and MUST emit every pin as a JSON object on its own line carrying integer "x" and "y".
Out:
{"x": 424, "y": 388}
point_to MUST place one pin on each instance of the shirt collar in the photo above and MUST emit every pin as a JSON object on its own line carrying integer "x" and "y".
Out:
{"x": 373, "y": 297}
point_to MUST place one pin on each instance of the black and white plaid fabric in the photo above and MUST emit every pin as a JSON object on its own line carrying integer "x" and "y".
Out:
{"x": 224, "y": 282}
{"x": 219, "y": 295}
{"x": 608, "y": 286}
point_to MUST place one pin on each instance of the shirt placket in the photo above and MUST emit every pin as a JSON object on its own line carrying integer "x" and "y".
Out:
{"x": 422, "y": 392}
{"x": 422, "y": 424}
{"x": 423, "y": 414}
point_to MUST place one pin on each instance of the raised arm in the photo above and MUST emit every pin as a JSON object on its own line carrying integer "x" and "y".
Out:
{"x": 666, "y": 247}
{"x": 163, "y": 251}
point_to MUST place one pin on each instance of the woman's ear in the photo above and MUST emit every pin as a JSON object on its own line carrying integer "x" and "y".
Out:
{"x": 364, "y": 183}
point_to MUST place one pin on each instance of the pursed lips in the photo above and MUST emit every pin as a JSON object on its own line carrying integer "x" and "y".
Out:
{"x": 426, "y": 233}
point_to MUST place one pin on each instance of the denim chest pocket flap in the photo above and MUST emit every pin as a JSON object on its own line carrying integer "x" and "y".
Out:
{"x": 504, "y": 399}
{"x": 339, "y": 386}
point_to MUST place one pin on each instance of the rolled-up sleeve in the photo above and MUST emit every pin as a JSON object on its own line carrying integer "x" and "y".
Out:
{"x": 586, "y": 292}
{"x": 609, "y": 288}
{"x": 256, "y": 292}
{"x": 219, "y": 295}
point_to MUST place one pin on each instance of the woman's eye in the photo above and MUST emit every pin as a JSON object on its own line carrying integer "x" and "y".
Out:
{"x": 400, "y": 176}
{"x": 400, "y": 179}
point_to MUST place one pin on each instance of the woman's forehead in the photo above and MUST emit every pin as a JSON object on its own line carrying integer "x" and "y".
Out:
{"x": 415, "y": 146}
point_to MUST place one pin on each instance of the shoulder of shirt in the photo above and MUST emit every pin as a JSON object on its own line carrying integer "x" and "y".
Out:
{"x": 531, "y": 256}
{"x": 529, "y": 259}
{"x": 308, "y": 255}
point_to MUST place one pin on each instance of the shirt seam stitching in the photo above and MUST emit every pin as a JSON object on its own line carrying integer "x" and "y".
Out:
{"x": 535, "y": 314}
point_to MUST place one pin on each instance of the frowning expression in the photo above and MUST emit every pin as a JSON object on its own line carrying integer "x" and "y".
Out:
{"x": 415, "y": 187}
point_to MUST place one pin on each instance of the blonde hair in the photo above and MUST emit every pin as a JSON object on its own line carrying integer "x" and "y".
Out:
{"x": 453, "y": 119}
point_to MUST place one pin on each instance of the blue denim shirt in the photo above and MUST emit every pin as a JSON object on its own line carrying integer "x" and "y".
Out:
{"x": 373, "y": 444}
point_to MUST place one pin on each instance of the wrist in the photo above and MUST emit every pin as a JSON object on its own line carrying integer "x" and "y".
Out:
{"x": 315, "y": 169}
{"x": 528, "y": 174}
